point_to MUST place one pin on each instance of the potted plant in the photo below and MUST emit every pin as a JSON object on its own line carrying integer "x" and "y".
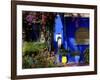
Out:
{"x": 63, "y": 53}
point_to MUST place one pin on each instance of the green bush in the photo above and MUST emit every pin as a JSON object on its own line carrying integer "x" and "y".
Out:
{"x": 33, "y": 47}
{"x": 86, "y": 52}
{"x": 42, "y": 58}
{"x": 27, "y": 62}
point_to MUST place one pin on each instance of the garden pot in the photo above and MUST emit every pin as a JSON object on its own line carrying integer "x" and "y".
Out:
{"x": 64, "y": 59}
{"x": 77, "y": 58}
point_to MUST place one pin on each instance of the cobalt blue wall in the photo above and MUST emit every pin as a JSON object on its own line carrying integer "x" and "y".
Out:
{"x": 67, "y": 26}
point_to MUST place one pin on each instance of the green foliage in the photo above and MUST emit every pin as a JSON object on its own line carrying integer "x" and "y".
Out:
{"x": 33, "y": 47}
{"x": 27, "y": 62}
{"x": 40, "y": 61}
{"x": 42, "y": 57}
{"x": 63, "y": 52}
{"x": 51, "y": 61}
{"x": 44, "y": 60}
{"x": 86, "y": 55}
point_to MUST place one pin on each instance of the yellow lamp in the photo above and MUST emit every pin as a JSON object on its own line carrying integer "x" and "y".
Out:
{"x": 64, "y": 59}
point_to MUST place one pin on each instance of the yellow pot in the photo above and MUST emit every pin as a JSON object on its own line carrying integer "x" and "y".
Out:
{"x": 64, "y": 59}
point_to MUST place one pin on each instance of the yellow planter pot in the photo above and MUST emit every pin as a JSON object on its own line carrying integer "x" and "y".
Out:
{"x": 64, "y": 59}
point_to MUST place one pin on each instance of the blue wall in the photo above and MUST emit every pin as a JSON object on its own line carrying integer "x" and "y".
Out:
{"x": 67, "y": 26}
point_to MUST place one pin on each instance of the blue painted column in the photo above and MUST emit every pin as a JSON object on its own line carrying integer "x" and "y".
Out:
{"x": 58, "y": 30}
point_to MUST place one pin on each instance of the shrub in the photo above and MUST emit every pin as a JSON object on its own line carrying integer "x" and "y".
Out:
{"x": 33, "y": 47}
{"x": 86, "y": 55}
